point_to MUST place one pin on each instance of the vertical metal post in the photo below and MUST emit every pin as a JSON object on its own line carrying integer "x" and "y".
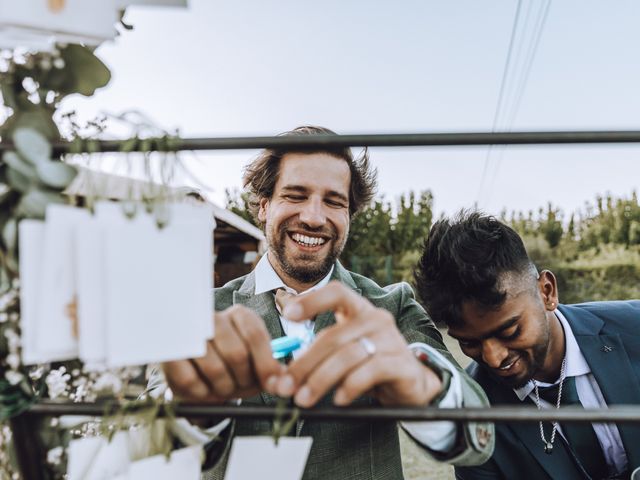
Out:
{"x": 28, "y": 447}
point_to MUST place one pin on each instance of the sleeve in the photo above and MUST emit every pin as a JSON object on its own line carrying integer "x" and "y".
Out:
{"x": 474, "y": 441}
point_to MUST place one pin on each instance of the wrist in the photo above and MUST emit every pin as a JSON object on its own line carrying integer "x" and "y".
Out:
{"x": 435, "y": 374}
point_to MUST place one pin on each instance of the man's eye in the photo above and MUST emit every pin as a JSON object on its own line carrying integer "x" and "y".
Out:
{"x": 335, "y": 204}
{"x": 511, "y": 335}
{"x": 294, "y": 198}
{"x": 467, "y": 344}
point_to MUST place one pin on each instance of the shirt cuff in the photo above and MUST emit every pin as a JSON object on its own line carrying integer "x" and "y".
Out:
{"x": 438, "y": 436}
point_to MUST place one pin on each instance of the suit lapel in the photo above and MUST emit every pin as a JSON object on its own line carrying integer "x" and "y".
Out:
{"x": 264, "y": 306}
{"x": 328, "y": 318}
{"x": 612, "y": 369}
{"x": 560, "y": 464}
{"x": 617, "y": 381}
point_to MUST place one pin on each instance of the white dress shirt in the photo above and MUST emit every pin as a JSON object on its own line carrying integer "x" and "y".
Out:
{"x": 438, "y": 436}
{"x": 590, "y": 396}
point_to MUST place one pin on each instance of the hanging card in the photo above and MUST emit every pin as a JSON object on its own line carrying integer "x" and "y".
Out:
{"x": 157, "y": 291}
{"x": 184, "y": 464}
{"x": 58, "y": 286}
{"x": 74, "y": 21}
{"x": 31, "y": 237}
{"x": 268, "y": 461}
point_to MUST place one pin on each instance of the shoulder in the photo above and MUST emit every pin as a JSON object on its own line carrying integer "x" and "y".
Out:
{"x": 619, "y": 315}
{"x": 224, "y": 295}
{"x": 393, "y": 294}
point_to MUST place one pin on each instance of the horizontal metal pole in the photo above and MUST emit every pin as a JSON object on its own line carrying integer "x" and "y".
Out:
{"x": 617, "y": 414}
{"x": 382, "y": 140}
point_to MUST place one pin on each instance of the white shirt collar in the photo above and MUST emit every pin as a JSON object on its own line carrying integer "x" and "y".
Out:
{"x": 576, "y": 363}
{"x": 268, "y": 280}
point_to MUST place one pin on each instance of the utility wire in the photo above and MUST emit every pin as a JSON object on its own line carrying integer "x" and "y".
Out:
{"x": 505, "y": 72}
{"x": 522, "y": 85}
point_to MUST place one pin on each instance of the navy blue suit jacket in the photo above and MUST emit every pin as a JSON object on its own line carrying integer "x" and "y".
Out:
{"x": 519, "y": 450}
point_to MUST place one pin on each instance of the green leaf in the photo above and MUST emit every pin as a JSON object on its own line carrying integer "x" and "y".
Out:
{"x": 10, "y": 234}
{"x": 19, "y": 164}
{"x": 18, "y": 181}
{"x": 37, "y": 118}
{"x": 83, "y": 72}
{"x": 32, "y": 145}
{"x": 34, "y": 203}
{"x": 56, "y": 174}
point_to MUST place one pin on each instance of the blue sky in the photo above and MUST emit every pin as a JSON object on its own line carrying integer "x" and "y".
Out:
{"x": 254, "y": 67}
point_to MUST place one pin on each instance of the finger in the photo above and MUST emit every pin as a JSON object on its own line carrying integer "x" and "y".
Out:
{"x": 215, "y": 372}
{"x": 184, "y": 380}
{"x": 331, "y": 372}
{"x": 401, "y": 387}
{"x": 236, "y": 355}
{"x": 376, "y": 322}
{"x": 253, "y": 332}
{"x": 335, "y": 297}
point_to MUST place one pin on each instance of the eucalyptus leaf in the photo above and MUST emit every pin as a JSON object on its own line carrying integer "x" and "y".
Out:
{"x": 18, "y": 163}
{"x": 38, "y": 118}
{"x": 56, "y": 174}
{"x": 6, "y": 194}
{"x": 8, "y": 94}
{"x": 32, "y": 145}
{"x": 18, "y": 181}
{"x": 34, "y": 203}
{"x": 10, "y": 234}
{"x": 83, "y": 72}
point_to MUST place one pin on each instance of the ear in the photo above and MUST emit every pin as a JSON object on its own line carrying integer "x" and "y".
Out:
{"x": 262, "y": 211}
{"x": 548, "y": 287}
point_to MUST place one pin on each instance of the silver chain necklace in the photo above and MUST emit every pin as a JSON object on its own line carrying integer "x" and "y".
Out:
{"x": 548, "y": 445}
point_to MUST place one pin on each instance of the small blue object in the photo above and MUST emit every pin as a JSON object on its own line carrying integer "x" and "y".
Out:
{"x": 283, "y": 346}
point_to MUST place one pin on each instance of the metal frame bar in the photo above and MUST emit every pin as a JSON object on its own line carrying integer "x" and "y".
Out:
{"x": 380, "y": 140}
{"x": 615, "y": 413}
{"x": 22, "y": 425}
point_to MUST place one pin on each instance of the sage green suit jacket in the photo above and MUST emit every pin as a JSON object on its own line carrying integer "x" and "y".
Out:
{"x": 358, "y": 450}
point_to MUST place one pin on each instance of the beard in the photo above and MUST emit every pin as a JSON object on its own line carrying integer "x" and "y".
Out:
{"x": 305, "y": 267}
{"x": 532, "y": 361}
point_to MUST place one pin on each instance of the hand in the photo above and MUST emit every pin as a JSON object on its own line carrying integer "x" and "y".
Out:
{"x": 364, "y": 351}
{"x": 238, "y": 362}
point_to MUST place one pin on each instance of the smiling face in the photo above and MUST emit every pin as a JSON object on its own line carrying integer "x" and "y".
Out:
{"x": 307, "y": 218}
{"x": 519, "y": 340}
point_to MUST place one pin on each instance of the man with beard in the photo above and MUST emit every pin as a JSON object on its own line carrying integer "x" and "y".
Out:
{"x": 361, "y": 355}
{"x": 475, "y": 276}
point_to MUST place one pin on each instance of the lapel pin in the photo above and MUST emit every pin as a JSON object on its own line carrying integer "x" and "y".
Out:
{"x": 606, "y": 348}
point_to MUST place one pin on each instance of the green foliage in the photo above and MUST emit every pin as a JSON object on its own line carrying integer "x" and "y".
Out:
{"x": 383, "y": 233}
{"x": 31, "y": 176}
{"x": 238, "y": 203}
{"x": 595, "y": 257}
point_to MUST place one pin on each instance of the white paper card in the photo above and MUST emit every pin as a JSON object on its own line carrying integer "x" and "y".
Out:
{"x": 95, "y": 458}
{"x": 157, "y": 290}
{"x": 30, "y": 233}
{"x": 91, "y": 20}
{"x": 183, "y": 464}
{"x": 259, "y": 457}
{"x": 91, "y": 307}
{"x": 58, "y": 282}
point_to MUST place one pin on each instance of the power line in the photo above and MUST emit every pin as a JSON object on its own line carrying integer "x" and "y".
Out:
{"x": 505, "y": 72}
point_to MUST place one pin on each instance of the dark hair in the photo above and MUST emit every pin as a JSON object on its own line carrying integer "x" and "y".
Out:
{"x": 261, "y": 175}
{"x": 465, "y": 259}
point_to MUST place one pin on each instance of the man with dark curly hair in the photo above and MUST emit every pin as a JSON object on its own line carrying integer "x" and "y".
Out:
{"x": 372, "y": 346}
{"x": 476, "y": 277}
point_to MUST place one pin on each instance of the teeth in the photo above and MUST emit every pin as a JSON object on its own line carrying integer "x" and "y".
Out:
{"x": 508, "y": 366}
{"x": 307, "y": 241}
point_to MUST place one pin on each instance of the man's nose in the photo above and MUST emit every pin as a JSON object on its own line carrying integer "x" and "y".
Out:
{"x": 313, "y": 213}
{"x": 493, "y": 353}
